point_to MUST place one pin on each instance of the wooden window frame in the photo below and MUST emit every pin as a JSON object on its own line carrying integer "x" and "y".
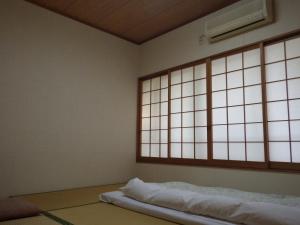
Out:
{"x": 267, "y": 165}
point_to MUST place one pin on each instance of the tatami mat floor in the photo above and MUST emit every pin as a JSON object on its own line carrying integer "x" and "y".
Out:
{"x": 81, "y": 207}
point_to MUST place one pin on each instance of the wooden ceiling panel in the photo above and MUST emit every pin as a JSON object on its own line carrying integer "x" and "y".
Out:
{"x": 135, "y": 20}
{"x": 174, "y": 17}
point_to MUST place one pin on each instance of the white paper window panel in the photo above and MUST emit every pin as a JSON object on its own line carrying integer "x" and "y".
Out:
{"x": 275, "y": 71}
{"x": 296, "y": 152}
{"x": 176, "y": 77}
{"x": 201, "y": 118}
{"x": 218, "y": 66}
{"x": 218, "y": 82}
{"x": 200, "y": 71}
{"x": 176, "y": 91}
{"x": 294, "y": 109}
{"x": 200, "y": 134}
{"x": 277, "y": 111}
{"x": 155, "y": 123}
{"x": 219, "y": 116}
{"x": 236, "y": 114}
{"x": 200, "y": 87}
{"x": 188, "y": 151}
{"x": 163, "y": 108}
{"x": 154, "y": 136}
{"x": 219, "y": 99}
{"x": 278, "y": 131}
{"x": 154, "y": 150}
{"x": 145, "y": 136}
{"x": 220, "y": 151}
{"x": 279, "y": 151}
{"x": 164, "y": 122}
{"x": 295, "y": 130}
{"x": 201, "y": 151}
{"x": 252, "y": 76}
{"x": 164, "y": 95}
{"x": 255, "y": 152}
{"x": 237, "y": 151}
{"x": 146, "y": 98}
{"x": 155, "y": 96}
{"x": 276, "y": 91}
{"x": 146, "y": 124}
{"x": 294, "y": 88}
{"x": 164, "y": 136}
{"x": 164, "y": 151}
{"x": 235, "y": 96}
{"x": 175, "y": 105}
{"x": 175, "y": 150}
{"x": 220, "y": 133}
{"x": 293, "y": 48}
{"x": 188, "y": 104}
{"x": 236, "y": 133}
{"x": 253, "y": 113}
{"x": 187, "y": 134}
{"x": 164, "y": 81}
{"x": 176, "y": 120}
{"x": 252, "y": 58}
{"x": 176, "y": 135}
{"x": 146, "y": 111}
{"x": 254, "y": 132}
{"x": 234, "y": 62}
{"x": 155, "y": 109}
{"x": 155, "y": 83}
{"x": 146, "y": 85}
{"x": 187, "y": 74}
{"x": 235, "y": 79}
{"x": 253, "y": 94}
{"x": 293, "y": 68}
{"x": 188, "y": 119}
{"x": 145, "y": 150}
{"x": 200, "y": 102}
{"x": 187, "y": 89}
{"x": 274, "y": 52}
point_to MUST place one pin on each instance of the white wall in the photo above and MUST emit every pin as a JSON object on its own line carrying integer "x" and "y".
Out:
{"x": 181, "y": 46}
{"x": 67, "y": 102}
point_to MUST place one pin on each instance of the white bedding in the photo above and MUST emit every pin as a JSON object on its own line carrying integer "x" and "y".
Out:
{"x": 224, "y": 204}
{"x": 119, "y": 199}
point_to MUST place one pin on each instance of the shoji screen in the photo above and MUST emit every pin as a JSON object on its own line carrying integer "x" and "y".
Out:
{"x": 236, "y": 109}
{"x": 154, "y": 117}
{"x": 282, "y": 63}
{"x": 237, "y": 120}
{"x": 188, "y": 126}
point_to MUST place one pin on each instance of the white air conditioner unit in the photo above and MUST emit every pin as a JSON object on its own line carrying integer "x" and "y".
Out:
{"x": 240, "y": 17}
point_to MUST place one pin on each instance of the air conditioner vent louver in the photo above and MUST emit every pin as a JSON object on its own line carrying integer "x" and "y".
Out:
{"x": 248, "y": 15}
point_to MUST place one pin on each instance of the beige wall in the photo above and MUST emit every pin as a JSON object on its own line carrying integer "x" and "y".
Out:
{"x": 181, "y": 46}
{"x": 67, "y": 102}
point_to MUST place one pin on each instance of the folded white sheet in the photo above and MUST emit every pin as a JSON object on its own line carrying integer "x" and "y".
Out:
{"x": 226, "y": 208}
{"x": 119, "y": 199}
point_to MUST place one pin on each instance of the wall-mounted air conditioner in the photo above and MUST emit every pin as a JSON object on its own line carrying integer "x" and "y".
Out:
{"x": 238, "y": 18}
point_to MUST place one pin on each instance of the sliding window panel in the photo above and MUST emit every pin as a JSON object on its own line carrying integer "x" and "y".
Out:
{"x": 201, "y": 151}
{"x": 188, "y": 151}
{"x": 237, "y": 151}
{"x": 220, "y": 151}
{"x": 187, "y": 74}
{"x": 293, "y": 68}
{"x": 293, "y": 48}
{"x": 154, "y": 113}
{"x": 251, "y": 58}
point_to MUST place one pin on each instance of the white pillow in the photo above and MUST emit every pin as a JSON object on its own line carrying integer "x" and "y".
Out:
{"x": 139, "y": 190}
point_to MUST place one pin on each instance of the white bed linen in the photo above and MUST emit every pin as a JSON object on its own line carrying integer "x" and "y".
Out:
{"x": 246, "y": 209}
{"x": 119, "y": 199}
